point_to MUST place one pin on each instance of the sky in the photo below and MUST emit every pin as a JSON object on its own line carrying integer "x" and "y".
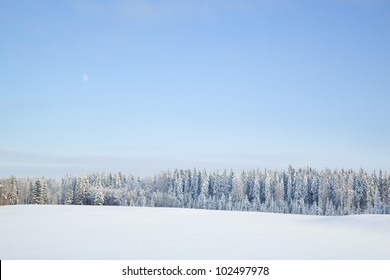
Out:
{"x": 144, "y": 86}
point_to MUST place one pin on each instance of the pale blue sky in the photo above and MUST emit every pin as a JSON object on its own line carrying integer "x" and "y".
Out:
{"x": 142, "y": 86}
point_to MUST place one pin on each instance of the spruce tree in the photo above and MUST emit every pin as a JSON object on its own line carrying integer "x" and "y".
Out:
{"x": 99, "y": 198}
{"x": 39, "y": 192}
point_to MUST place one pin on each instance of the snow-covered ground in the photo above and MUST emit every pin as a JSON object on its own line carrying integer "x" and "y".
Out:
{"x": 96, "y": 232}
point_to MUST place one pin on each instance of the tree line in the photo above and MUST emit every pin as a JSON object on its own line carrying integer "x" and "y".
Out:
{"x": 295, "y": 190}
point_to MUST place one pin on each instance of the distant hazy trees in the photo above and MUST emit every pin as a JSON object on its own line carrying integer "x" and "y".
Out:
{"x": 297, "y": 191}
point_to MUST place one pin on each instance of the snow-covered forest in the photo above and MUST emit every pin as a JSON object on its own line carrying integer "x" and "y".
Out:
{"x": 298, "y": 191}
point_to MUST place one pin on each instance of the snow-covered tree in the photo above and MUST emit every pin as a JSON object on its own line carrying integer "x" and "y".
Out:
{"x": 302, "y": 190}
{"x": 81, "y": 191}
{"x": 39, "y": 192}
{"x": 99, "y": 198}
{"x": 13, "y": 192}
{"x": 330, "y": 211}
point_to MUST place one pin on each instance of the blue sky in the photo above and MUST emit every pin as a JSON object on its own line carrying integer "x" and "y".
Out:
{"x": 142, "y": 86}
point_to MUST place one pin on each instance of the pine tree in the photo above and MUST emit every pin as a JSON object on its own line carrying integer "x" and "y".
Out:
{"x": 13, "y": 192}
{"x": 377, "y": 208}
{"x": 81, "y": 191}
{"x": 99, "y": 198}
{"x": 361, "y": 191}
{"x": 256, "y": 190}
{"x": 268, "y": 189}
{"x": 329, "y": 211}
{"x": 67, "y": 190}
{"x": 178, "y": 187}
{"x": 39, "y": 192}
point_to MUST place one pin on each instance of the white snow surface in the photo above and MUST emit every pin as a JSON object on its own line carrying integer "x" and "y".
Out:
{"x": 113, "y": 232}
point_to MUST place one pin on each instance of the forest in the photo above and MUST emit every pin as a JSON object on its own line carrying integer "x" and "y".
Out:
{"x": 304, "y": 191}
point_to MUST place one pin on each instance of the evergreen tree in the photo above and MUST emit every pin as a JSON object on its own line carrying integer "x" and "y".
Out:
{"x": 81, "y": 191}
{"x": 67, "y": 190}
{"x": 99, "y": 198}
{"x": 329, "y": 211}
{"x": 39, "y": 192}
{"x": 303, "y": 190}
{"x": 13, "y": 192}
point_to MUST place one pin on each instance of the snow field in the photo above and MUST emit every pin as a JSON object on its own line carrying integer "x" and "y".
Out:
{"x": 104, "y": 232}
